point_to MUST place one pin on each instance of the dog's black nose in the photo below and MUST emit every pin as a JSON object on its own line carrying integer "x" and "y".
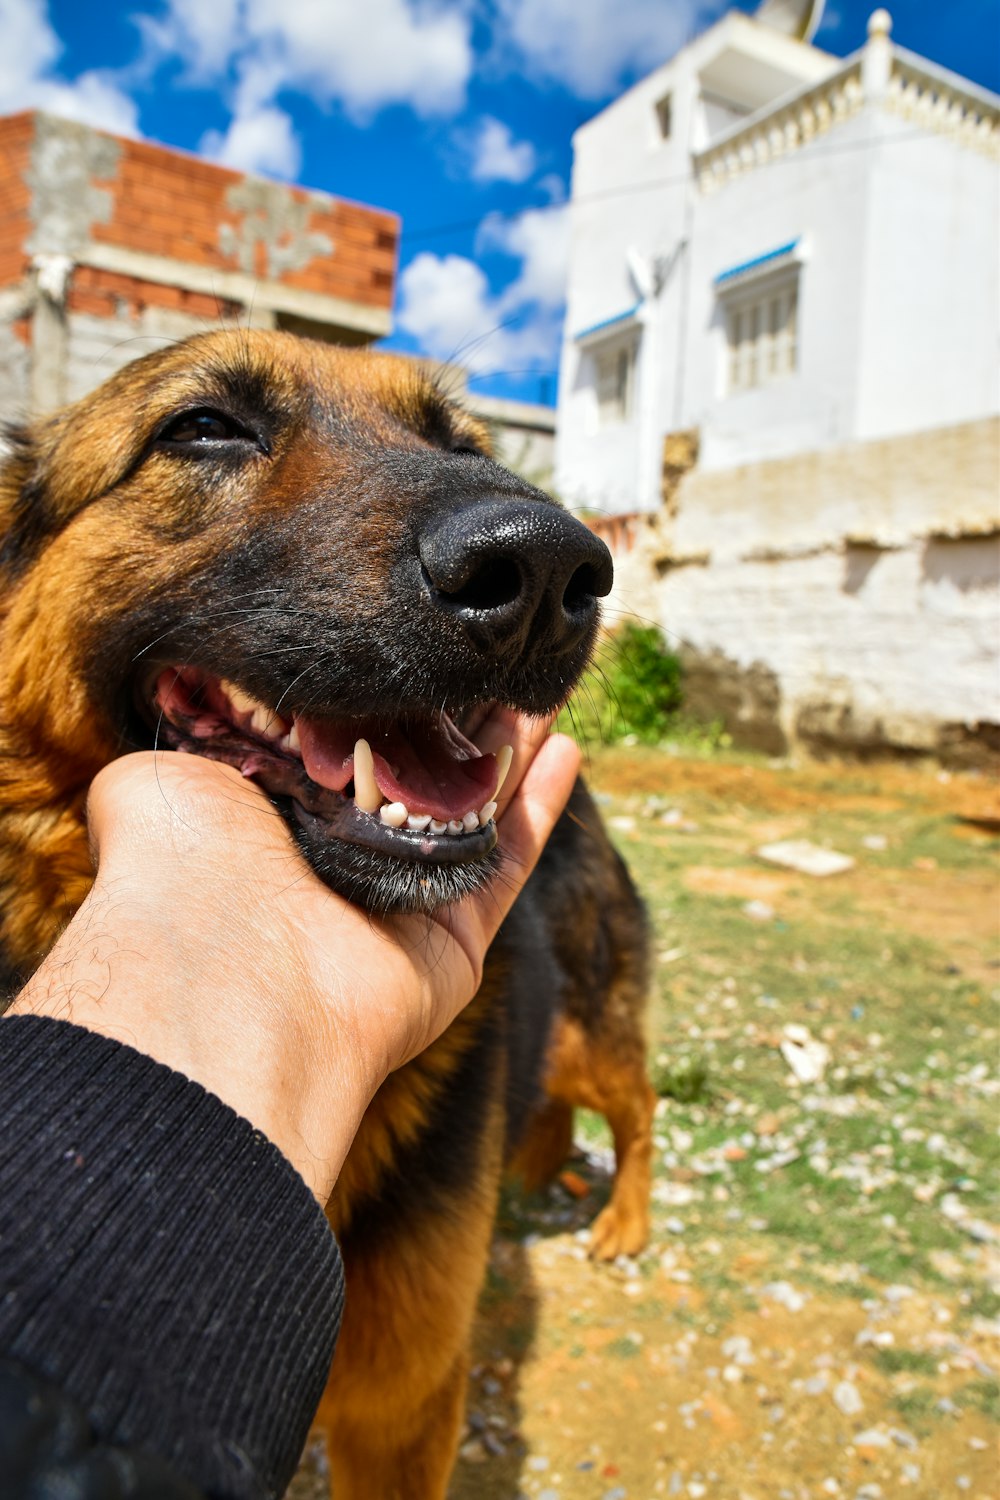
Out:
{"x": 514, "y": 570}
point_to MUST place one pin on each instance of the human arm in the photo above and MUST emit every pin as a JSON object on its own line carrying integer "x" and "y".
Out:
{"x": 210, "y": 948}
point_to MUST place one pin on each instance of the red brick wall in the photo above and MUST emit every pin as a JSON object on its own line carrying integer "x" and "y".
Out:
{"x": 16, "y": 133}
{"x": 105, "y": 294}
{"x": 166, "y": 203}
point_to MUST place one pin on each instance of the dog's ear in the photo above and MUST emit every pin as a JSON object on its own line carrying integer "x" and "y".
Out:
{"x": 26, "y": 517}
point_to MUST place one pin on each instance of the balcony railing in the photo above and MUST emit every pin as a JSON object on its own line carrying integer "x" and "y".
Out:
{"x": 940, "y": 101}
{"x": 931, "y": 97}
{"x": 777, "y": 130}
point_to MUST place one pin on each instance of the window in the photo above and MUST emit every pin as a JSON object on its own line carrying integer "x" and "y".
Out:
{"x": 763, "y": 336}
{"x": 664, "y": 111}
{"x": 614, "y": 371}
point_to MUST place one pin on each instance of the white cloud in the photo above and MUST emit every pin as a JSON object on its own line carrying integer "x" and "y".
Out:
{"x": 591, "y": 46}
{"x": 553, "y": 187}
{"x": 30, "y": 44}
{"x": 27, "y": 80}
{"x": 364, "y": 57}
{"x": 209, "y": 29}
{"x": 539, "y": 239}
{"x": 368, "y": 56}
{"x": 258, "y": 139}
{"x": 496, "y": 156}
{"x": 447, "y": 305}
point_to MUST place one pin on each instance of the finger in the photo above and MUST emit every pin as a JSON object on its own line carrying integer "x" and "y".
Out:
{"x": 531, "y": 816}
{"x": 170, "y": 802}
{"x": 523, "y": 734}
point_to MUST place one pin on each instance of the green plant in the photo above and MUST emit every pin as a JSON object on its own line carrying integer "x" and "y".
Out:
{"x": 687, "y": 1081}
{"x": 633, "y": 689}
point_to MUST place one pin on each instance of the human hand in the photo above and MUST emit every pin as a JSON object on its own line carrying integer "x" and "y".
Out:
{"x": 209, "y": 944}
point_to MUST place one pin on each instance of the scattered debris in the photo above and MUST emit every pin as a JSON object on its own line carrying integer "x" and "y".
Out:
{"x": 785, "y": 1294}
{"x": 805, "y": 858}
{"x": 847, "y": 1398}
{"x": 574, "y": 1184}
{"x": 807, "y": 1058}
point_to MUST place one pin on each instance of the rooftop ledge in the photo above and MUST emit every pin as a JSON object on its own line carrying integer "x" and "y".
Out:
{"x": 897, "y": 80}
{"x": 623, "y": 322}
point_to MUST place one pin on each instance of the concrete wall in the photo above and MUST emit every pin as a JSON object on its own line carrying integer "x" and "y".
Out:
{"x": 523, "y": 435}
{"x": 111, "y": 246}
{"x": 882, "y": 168}
{"x": 852, "y": 601}
{"x": 930, "y": 309}
{"x": 633, "y": 195}
{"x": 820, "y": 199}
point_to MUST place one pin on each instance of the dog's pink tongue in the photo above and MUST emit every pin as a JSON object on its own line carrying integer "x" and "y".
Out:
{"x": 431, "y": 769}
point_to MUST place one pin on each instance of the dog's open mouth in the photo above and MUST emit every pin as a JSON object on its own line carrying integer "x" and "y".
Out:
{"x": 417, "y": 789}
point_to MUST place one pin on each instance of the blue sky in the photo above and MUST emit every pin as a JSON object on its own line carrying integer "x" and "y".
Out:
{"x": 455, "y": 114}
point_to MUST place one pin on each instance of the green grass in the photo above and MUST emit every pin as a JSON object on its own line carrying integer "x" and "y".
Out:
{"x": 917, "y": 1407}
{"x": 914, "y": 1361}
{"x": 624, "y": 1348}
{"x": 849, "y": 973}
{"x": 982, "y": 1396}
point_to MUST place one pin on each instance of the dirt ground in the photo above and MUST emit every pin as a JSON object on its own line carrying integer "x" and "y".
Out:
{"x": 817, "y": 1312}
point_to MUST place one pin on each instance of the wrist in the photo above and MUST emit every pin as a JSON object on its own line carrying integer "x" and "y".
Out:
{"x": 216, "y": 1001}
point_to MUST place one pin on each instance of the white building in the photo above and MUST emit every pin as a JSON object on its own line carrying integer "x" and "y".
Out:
{"x": 784, "y": 266}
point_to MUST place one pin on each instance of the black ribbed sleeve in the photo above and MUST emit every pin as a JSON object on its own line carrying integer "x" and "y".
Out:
{"x": 161, "y": 1262}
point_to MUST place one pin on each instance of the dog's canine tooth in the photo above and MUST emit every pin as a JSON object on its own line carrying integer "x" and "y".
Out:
{"x": 486, "y": 812}
{"x": 291, "y": 741}
{"x": 418, "y": 822}
{"x": 394, "y": 813}
{"x": 437, "y": 827}
{"x": 264, "y": 721}
{"x": 470, "y": 821}
{"x": 238, "y": 699}
{"x": 504, "y": 757}
{"x": 366, "y": 794}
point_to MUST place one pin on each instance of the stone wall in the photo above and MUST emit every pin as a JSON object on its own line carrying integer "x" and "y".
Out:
{"x": 848, "y": 600}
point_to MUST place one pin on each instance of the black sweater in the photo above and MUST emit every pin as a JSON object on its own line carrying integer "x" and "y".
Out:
{"x": 170, "y": 1292}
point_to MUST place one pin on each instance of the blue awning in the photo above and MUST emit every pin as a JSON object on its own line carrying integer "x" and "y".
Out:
{"x": 759, "y": 263}
{"x": 609, "y": 325}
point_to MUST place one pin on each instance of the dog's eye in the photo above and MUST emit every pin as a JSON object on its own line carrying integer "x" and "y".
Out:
{"x": 204, "y": 426}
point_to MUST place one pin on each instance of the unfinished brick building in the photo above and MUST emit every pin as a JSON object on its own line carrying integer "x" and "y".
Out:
{"x": 111, "y": 247}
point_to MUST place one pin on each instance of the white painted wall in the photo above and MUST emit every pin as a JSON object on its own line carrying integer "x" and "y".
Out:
{"x": 633, "y": 192}
{"x": 899, "y": 297}
{"x": 930, "y": 312}
{"x": 816, "y": 194}
{"x": 905, "y": 640}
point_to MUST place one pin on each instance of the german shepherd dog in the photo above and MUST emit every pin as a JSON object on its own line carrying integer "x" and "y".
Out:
{"x": 304, "y": 562}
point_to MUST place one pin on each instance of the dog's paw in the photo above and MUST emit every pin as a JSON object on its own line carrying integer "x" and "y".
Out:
{"x": 615, "y": 1232}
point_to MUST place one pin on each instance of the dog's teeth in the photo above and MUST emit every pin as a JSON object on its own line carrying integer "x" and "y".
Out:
{"x": 366, "y": 794}
{"x": 470, "y": 821}
{"x": 394, "y": 813}
{"x": 437, "y": 827}
{"x": 263, "y": 721}
{"x": 418, "y": 821}
{"x": 292, "y": 739}
{"x": 504, "y": 757}
{"x": 238, "y": 699}
{"x": 487, "y": 812}
{"x": 454, "y": 827}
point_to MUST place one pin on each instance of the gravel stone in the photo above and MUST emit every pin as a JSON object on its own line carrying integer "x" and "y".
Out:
{"x": 847, "y": 1398}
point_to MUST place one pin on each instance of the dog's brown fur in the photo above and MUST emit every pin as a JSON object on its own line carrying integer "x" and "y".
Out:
{"x": 101, "y": 534}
